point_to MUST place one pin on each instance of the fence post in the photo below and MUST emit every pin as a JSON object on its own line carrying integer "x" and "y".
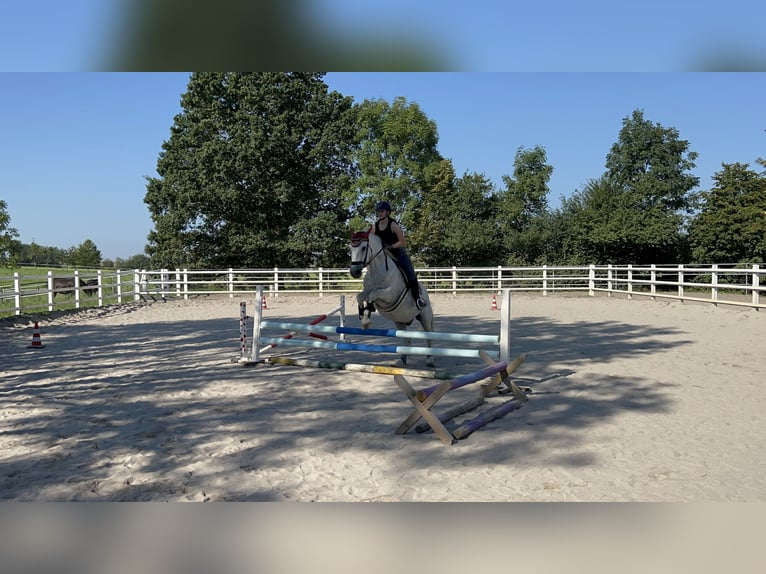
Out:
{"x": 653, "y": 286}
{"x": 545, "y": 280}
{"x": 499, "y": 278}
{"x": 76, "y": 289}
{"x": 591, "y": 279}
{"x": 714, "y": 283}
{"x": 231, "y": 283}
{"x": 100, "y": 277}
{"x": 756, "y": 283}
{"x": 17, "y": 292}
{"x": 118, "y": 278}
{"x": 50, "y": 290}
{"x": 454, "y": 281}
{"x": 321, "y": 285}
{"x": 609, "y": 280}
{"x": 681, "y": 282}
{"x": 178, "y": 282}
{"x": 275, "y": 286}
{"x": 630, "y": 281}
{"x": 136, "y": 285}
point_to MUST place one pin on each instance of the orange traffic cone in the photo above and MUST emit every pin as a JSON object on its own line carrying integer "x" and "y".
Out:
{"x": 36, "y": 341}
{"x": 494, "y": 303}
{"x": 263, "y": 302}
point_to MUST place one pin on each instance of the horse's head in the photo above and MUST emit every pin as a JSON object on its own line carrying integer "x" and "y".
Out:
{"x": 360, "y": 248}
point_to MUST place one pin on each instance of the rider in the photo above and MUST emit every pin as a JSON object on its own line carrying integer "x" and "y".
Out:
{"x": 392, "y": 236}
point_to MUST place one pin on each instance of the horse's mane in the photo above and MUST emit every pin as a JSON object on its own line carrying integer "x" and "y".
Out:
{"x": 358, "y": 236}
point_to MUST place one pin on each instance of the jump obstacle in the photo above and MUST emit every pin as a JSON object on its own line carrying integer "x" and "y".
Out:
{"x": 424, "y": 399}
{"x": 340, "y": 310}
{"x": 502, "y": 340}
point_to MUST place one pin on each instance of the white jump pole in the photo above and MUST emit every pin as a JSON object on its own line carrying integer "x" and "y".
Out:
{"x": 505, "y": 326}
{"x": 255, "y": 353}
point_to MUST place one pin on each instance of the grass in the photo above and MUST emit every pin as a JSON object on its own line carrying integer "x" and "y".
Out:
{"x": 33, "y": 285}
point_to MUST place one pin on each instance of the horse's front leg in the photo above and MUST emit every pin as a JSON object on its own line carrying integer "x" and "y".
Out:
{"x": 366, "y": 308}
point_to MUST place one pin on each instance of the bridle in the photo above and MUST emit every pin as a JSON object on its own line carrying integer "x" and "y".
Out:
{"x": 367, "y": 260}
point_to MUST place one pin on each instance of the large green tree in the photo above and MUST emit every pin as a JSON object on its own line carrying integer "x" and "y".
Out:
{"x": 731, "y": 224}
{"x": 648, "y": 168}
{"x": 85, "y": 255}
{"x": 253, "y": 174}
{"x": 454, "y": 224}
{"x": 427, "y": 245}
{"x": 522, "y": 206}
{"x": 600, "y": 225}
{"x": 396, "y": 145}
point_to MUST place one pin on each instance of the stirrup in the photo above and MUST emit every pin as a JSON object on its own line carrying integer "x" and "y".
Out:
{"x": 420, "y": 303}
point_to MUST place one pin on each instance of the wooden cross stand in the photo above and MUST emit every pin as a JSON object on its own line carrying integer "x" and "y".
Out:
{"x": 424, "y": 399}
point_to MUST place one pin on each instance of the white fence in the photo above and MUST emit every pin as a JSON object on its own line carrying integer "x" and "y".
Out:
{"x": 715, "y": 284}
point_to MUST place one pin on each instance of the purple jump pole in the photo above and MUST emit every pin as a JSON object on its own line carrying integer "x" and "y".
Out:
{"x": 466, "y": 379}
{"x": 488, "y": 416}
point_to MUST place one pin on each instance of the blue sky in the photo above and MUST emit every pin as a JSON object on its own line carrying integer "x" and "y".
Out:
{"x": 481, "y": 35}
{"x": 76, "y": 147}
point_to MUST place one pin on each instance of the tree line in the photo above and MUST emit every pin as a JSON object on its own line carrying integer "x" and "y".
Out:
{"x": 85, "y": 255}
{"x": 275, "y": 169}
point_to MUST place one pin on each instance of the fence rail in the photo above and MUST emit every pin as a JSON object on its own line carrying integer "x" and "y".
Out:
{"x": 715, "y": 284}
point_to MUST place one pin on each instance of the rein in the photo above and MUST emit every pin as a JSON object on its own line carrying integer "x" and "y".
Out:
{"x": 366, "y": 263}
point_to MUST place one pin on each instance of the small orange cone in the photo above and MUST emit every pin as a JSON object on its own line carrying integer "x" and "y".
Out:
{"x": 263, "y": 302}
{"x": 36, "y": 341}
{"x": 494, "y": 303}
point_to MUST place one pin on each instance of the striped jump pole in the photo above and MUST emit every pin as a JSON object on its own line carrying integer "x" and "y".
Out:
{"x": 393, "y": 349}
{"x": 313, "y": 322}
{"x": 258, "y": 320}
{"x": 242, "y": 329}
{"x": 362, "y": 368}
{"x": 430, "y": 335}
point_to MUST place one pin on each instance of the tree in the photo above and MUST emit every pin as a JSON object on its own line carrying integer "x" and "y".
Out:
{"x": 731, "y": 224}
{"x": 454, "y": 224}
{"x": 85, "y": 255}
{"x": 437, "y": 204}
{"x": 8, "y": 244}
{"x": 253, "y": 174}
{"x": 523, "y": 204}
{"x": 396, "y": 143}
{"x": 600, "y": 224}
{"x": 648, "y": 169}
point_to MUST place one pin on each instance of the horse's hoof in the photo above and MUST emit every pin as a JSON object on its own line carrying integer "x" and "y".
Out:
{"x": 430, "y": 361}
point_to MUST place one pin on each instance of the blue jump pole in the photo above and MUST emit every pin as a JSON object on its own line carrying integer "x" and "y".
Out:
{"x": 396, "y": 349}
{"x": 431, "y": 335}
